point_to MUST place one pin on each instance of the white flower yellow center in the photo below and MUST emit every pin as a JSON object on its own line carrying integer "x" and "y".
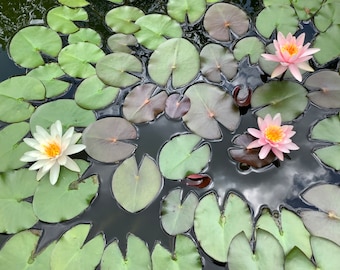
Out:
{"x": 291, "y": 48}
{"x": 52, "y": 149}
{"x": 274, "y": 134}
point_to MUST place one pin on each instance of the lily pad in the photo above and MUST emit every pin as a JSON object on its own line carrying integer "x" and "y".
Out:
{"x": 221, "y": 18}
{"x": 184, "y": 256}
{"x": 93, "y": 94}
{"x": 296, "y": 259}
{"x": 154, "y": 28}
{"x": 121, "y": 43}
{"x": 137, "y": 255}
{"x": 215, "y": 228}
{"x": 176, "y": 216}
{"x": 107, "y": 140}
{"x": 217, "y": 60}
{"x": 70, "y": 252}
{"x": 53, "y": 204}
{"x": 325, "y": 89}
{"x": 16, "y": 213}
{"x": 140, "y": 105}
{"x": 177, "y": 106}
{"x": 210, "y": 106}
{"x": 122, "y": 19}
{"x": 85, "y": 35}
{"x": 61, "y": 19}
{"x": 14, "y": 110}
{"x": 11, "y": 149}
{"x": 326, "y": 253}
{"x": 117, "y": 69}
{"x": 182, "y": 9}
{"x": 135, "y": 188}
{"x": 177, "y": 59}
{"x": 116, "y": 1}
{"x": 328, "y": 14}
{"x": 285, "y": 97}
{"x": 77, "y": 59}
{"x": 306, "y": 9}
{"x": 250, "y": 46}
{"x": 28, "y": 44}
{"x": 74, "y": 3}
{"x": 183, "y": 155}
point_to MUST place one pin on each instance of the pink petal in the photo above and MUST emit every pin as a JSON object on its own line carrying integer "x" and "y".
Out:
{"x": 278, "y": 153}
{"x": 310, "y": 51}
{"x": 264, "y": 151}
{"x": 254, "y": 144}
{"x": 277, "y": 119}
{"x": 295, "y": 72}
{"x": 278, "y": 71}
{"x": 305, "y": 66}
{"x": 300, "y": 40}
{"x": 271, "y": 57}
{"x": 281, "y": 38}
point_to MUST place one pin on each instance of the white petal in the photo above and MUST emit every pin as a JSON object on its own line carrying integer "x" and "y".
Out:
{"x": 37, "y": 165}
{"x": 41, "y": 173}
{"x": 62, "y": 160}
{"x": 72, "y": 149}
{"x": 56, "y": 129}
{"x": 32, "y": 143}
{"x": 31, "y": 156}
{"x": 71, "y": 165}
{"x": 75, "y": 138}
{"x": 41, "y": 135}
{"x": 54, "y": 173}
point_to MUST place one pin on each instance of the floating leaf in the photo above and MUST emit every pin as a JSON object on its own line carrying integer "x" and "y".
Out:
{"x": 285, "y": 97}
{"x": 268, "y": 253}
{"x": 268, "y": 3}
{"x": 121, "y": 43}
{"x": 154, "y": 28}
{"x": 251, "y": 46}
{"x": 85, "y": 35}
{"x": 61, "y": 19}
{"x": 305, "y": 9}
{"x": 135, "y": 188}
{"x": 176, "y": 58}
{"x": 198, "y": 180}
{"x": 115, "y": 69}
{"x": 93, "y": 94}
{"x": 106, "y": 140}
{"x": 326, "y": 253}
{"x": 328, "y": 14}
{"x": 288, "y": 230}
{"x": 76, "y": 59}
{"x": 74, "y": 3}
{"x": 185, "y": 256}
{"x": 16, "y": 213}
{"x": 220, "y": 18}
{"x": 210, "y": 106}
{"x": 122, "y": 19}
{"x": 14, "y": 110}
{"x": 215, "y": 229}
{"x": 178, "y": 217}
{"x": 177, "y": 106}
{"x": 296, "y": 259}
{"x": 325, "y": 88}
{"x": 217, "y": 60}
{"x": 70, "y": 252}
{"x": 28, "y": 44}
{"x": 116, "y": 1}
{"x": 140, "y": 105}
{"x": 52, "y": 204}
{"x": 137, "y": 255}
{"x": 182, "y": 9}
{"x": 183, "y": 155}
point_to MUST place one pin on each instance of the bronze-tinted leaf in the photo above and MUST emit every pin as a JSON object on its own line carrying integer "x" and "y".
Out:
{"x": 177, "y": 106}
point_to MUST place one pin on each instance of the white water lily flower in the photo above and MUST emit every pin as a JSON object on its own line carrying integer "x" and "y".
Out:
{"x": 52, "y": 151}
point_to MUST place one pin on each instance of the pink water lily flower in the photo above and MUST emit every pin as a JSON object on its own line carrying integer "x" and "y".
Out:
{"x": 291, "y": 54}
{"x": 272, "y": 136}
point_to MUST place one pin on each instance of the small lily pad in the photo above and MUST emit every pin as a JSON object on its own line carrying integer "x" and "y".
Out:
{"x": 177, "y": 106}
{"x": 326, "y": 253}
{"x": 296, "y": 259}
{"x": 191, "y": 9}
{"x": 305, "y": 9}
{"x": 121, "y": 42}
{"x": 85, "y": 35}
{"x": 14, "y": 110}
{"x": 74, "y": 3}
{"x": 251, "y": 46}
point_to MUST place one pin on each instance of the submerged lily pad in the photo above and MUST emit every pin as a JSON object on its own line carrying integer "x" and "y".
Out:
{"x": 28, "y": 44}
{"x": 121, "y": 43}
{"x": 177, "y": 59}
{"x": 135, "y": 188}
{"x": 107, "y": 139}
{"x": 250, "y": 46}
{"x": 210, "y": 106}
{"x": 191, "y": 9}
{"x": 85, "y": 35}
{"x": 177, "y": 106}
{"x": 221, "y": 18}
{"x": 183, "y": 155}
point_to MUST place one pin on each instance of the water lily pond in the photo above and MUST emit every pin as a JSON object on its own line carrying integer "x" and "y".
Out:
{"x": 196, "y": 134}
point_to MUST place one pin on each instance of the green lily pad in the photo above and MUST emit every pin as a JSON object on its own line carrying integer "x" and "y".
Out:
{"x": 26, "y": 257}
{"x": 121, "y": 42}
{"x": 122, "y": 19}
{"x": 93, "y": 94}
{"x": 154, "y": 28}
{"x": 140, "y": 105}
{"x": 268, "y": 253}
{"x": 183, "y": 155}
{"x": 74, "y": 3}
{"x": 285, "y": 97}
{"x": 61, "y": 19}
{"x": 117, "y": 69}
{"x": 268, "y": 3}
{"x": 305, "y": 9}
{"x": 290, "y": 232}
{"x": 328, "y": 14}
{"x": 191, "y": 9}
{"x": 85, "y": 35}
{"x": 217, "y": 60}
{"x": 326, "y": 253}
{"x": 107, "y": 140}
{"x": 135, "y": 188}
{"x": 65, "y": 110}
{"x": 137, "y": 255}
{"x": 184, "y": 256}
{"x": 48, "y": 75}
{"x": 16, "y": 213}
{"x": 28, "y": 44}
{"x": 215, "y": 228}
{"x": 210, "y": 106}
{"x": 70, "y": 252}
{"x": 176, "y": 216}
{"x": 11, "y": 149}
{"x": 296, "y": 259}
{"x": 251, "y": 46}
{"x": 52, "y": 204}
{"x": 77, "y": 59}
{"x": 116, "y": 1}
{"x": 14, "y": 110}
{"x": 177, "y": 59}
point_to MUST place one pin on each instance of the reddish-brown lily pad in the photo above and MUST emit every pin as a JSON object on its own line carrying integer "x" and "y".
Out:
{"x": 177, "y": 106}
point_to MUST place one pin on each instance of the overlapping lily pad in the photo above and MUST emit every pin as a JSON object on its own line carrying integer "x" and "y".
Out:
{"x": 328, "y": 14}
{"x": 74, "y": 3}
{"x": 249, "y": 46}
{"x": 191, "y": 9}
{"x": 177, "y": 106}
{"x": 326, "y": 253}
{"x": 85, "y": 35}
{"x": 296, "y": 259}
{"x": 305, "y": 9}
{"x": 121, "y": 42}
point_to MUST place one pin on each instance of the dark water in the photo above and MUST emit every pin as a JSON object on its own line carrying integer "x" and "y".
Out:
{"x": 272, "y": 187}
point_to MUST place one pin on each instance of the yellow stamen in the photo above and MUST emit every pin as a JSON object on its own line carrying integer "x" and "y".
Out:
{"x": 291, "y": 48}
{"x": 274, "y": 134}
{"x": 52, "y": 149}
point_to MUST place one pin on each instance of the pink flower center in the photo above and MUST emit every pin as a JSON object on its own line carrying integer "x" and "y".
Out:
{"x": 52, "y": 149}
{"x": 274, "y": 134}
{"x": 291, "y": 48}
